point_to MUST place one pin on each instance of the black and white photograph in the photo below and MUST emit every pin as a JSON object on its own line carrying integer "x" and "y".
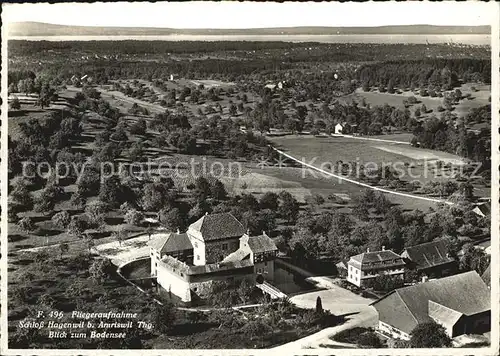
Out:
{"x": 296, "y": 178}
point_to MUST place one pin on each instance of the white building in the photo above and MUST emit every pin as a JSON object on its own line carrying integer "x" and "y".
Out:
{"x": 213, "y": 248}
{"x": 368, "y": 265}
{"x": 338, "y": 129}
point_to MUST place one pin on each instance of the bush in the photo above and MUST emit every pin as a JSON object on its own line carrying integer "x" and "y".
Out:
{"x": 350, "y": 336}
{"x": 369, "y": 339}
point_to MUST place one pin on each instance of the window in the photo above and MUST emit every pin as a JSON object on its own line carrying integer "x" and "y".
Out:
{"x": 195, "y": 289}
{"x": 198, "y": 257}
{"x": 195, "y": 244}
{"x": 224, "y": 247}
{"x": 357, "y": 271}
{"x": 265, "y": 263}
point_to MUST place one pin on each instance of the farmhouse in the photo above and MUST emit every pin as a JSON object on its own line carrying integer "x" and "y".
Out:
{"x": 460, "y": 303}
{"x": 215, "y": 247}
{"x": 430, "y": 259}
{"x": 368, "y": 265}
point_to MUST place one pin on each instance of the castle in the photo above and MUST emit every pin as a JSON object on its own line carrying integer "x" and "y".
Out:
{"x": 214, "y": 248}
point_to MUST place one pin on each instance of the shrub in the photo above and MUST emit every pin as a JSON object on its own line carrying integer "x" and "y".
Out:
{"x": 350, "y": 336}
{"x": 369, "y": 339}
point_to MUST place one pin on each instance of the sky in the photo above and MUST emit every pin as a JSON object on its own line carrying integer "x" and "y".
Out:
{"x": 252, "y": 15}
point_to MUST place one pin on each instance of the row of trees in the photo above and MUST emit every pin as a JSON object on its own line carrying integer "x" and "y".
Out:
{"x": 428, "y": 73}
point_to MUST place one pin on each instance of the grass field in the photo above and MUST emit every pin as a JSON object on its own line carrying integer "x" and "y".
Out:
{"x": 479, "y": 98}
{"x": 322, "y": 151}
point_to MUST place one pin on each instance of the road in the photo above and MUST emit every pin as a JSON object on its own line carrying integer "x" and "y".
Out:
{"x": 360, "y": 183}
{"x": 338, "y": 301}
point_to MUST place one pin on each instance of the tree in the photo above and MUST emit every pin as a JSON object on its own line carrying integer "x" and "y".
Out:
{"x": 112, "y": 192}
{"x": 289, "y": 207}
{"x": 233, "y": 110}
{"x": 64, "y": 248}
{"x": 369, "y": 339}
{"x": 138, "y": 127}
{"x": 21, "y": 196}
{"x": 136, "y": 152}
{"x": 218, "y": 190}
{"x": 15, "y": 104}
{"x": 202, "y": 188}
{"x": 390, "y": 86}
{"x": 361, "y": 212}
{"x": 89, "y": 181}
{"x": 256, "y": 328}
{"x": 95, "y": 211}
{"x": 269, "y": 201}
{"x": 319, "y": 305}
{"x": 45, "y": 203}
{"x": 245, "y": 290}
{"x": 164, "y": 317}
{"x": 133, "y": 217}
{"x": 76, "y": 227}
{"x": 473, "y": 259}
{"x": 120, "y": 235}
{"x": 26, "y": 224}
{"x": 303, "y": 246}
{"x": 89, "y": 242}
{"x": 172, "y": 219}
{"x": 155, "y": 197}
{"x": 61, "y": 219}
{"x": 101, "y": 269}
{"x": 429, "y": 335}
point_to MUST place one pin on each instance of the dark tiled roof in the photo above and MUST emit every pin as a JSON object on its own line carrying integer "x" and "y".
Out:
{"x": 218, "y": 227}
{"x": 385, "y": 258}
{"x": 464, "y": 293}
{"x": 261, "y": 243}
{"x": 429, "y": 254}
{"x": 170, "y": 242}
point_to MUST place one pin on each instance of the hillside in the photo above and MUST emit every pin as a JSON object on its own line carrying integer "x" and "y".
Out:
{"x": 45, "y": 29}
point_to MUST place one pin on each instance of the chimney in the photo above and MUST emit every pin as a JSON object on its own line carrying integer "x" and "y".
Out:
{"x": 368, "y": 249}
{"x": 383, "y": 248}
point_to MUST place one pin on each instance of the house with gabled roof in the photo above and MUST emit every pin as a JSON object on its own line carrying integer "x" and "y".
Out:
{"x": 431, "y": 259}
{"x": 261, "y": 250}
{"x": 368, "y": 265}
{"x": 460, "y": 303}
{"x": 215, "y": 247}
{"x": 214, "y": 236}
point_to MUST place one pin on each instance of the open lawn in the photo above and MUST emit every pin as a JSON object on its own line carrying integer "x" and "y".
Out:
{"x": 479, "y": 98}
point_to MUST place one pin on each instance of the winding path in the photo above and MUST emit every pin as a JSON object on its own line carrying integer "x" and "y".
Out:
{"x": 435, "y": 200}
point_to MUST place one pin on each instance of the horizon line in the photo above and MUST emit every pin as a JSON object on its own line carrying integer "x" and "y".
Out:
{"x": 244, "y": 28}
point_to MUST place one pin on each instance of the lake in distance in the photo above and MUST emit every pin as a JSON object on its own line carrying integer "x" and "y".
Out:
{"x": 474, "y": 39}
